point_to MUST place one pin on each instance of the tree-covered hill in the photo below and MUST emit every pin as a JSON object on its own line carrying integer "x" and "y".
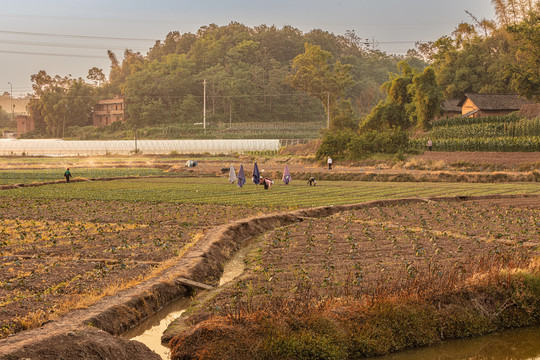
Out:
{"x": 246, "y": 71}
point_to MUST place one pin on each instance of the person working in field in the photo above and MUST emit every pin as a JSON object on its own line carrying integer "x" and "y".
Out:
{"x": 329, "y": 161}
{"x": 67, "y": 175}
{"x": 312, "y": 181}
{"x": 267, "y": 182}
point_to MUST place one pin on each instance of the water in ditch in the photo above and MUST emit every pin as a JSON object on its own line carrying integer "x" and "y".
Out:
{"x": 517, "y": 344}
{"x": 149, "y": 331}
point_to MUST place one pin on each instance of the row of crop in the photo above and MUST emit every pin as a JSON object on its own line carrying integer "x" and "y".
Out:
{"x": 523, "y": 127}
{"x": 458, "y": 120}
{"x": 503, "y": 143}
{"x": 39, "y": 175}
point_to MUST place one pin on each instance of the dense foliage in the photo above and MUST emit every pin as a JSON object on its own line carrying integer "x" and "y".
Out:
{"x": 413, "y": 99}
{"x": 491, "y": 56}
{"x": 252, "y": 75}
{"x": 354, "y": 145}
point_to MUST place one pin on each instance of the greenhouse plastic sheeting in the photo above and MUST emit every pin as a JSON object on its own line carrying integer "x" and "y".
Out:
{"x": 55, "y": 147}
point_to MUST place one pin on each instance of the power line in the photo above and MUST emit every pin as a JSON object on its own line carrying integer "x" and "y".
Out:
{"x": 79, "y": 46}
{"x": 74, "y": 36}
{"x": 52, "y": 54}
{"x": 85, "y": 18}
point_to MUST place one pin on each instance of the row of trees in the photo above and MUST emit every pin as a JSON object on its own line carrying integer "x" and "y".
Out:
{"x": 252, "y": 74}
{"x": 490, "y": 56}
{"x": 270, "y": 74}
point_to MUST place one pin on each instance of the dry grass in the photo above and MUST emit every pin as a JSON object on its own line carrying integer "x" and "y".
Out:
{"x": 346, "y": 322}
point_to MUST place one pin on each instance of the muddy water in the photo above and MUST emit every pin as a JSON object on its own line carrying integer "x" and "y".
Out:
{"x": 149, "y": 332}
{"x": 518, "y": 344}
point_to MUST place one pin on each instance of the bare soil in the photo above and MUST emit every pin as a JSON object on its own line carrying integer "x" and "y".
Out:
{"x": 507, "y": 159}
{"x": 57, "y": 255}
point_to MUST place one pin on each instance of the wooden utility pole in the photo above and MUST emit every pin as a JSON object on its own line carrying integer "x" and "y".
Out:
{"x": 328, "y": 110}
{"x": 204, "y": 105}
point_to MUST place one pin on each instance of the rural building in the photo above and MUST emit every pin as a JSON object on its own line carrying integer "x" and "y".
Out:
{"x": 478, "y": 105}
{"x": 450, "y": 108}
{"x": 19, "y": 105}
{"x": 25, "y": 124}
{"x": 107, "y": 111}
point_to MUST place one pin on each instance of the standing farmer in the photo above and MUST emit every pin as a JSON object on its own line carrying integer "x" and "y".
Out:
{"x": 329, "y": 161}
{"x": 67, "y": 175}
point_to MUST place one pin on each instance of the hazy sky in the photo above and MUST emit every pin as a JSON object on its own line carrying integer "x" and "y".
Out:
{"x": 30, "y": 29}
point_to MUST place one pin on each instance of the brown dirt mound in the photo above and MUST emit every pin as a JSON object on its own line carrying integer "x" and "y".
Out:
{"x": 507, "y": 159}
{"x": 308, "y": 149}
{"x": 88, "y": 343}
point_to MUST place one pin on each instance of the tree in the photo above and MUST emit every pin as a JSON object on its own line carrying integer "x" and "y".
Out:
{"x": 413, "y": 100}
{"x": 96, "y": 75}
{"x": 63, "y": 102}
{"x": 525, "y": 70}
{"x": 426, "y": 97}
{"x": 319, "y": 76}
{"x": 511, "y": 12}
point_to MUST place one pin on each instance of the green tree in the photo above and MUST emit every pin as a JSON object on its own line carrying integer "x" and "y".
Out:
{"x": 321, "y": 77}
{"x": 63, "y": 102}
{"x": 426, "y": 98}
{"x": 413, "y": 100}
{"x": 395, "y": 110}
{"x": 525, "y": 69}
{"x": 97, "y": 76}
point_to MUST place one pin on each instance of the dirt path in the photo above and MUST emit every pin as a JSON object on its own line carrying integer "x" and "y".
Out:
{"x": 494, "y": 158}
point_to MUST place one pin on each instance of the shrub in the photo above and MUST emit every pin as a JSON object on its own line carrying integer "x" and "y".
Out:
{"x": 388, "y": 141}
{"x": 334, "y": 143}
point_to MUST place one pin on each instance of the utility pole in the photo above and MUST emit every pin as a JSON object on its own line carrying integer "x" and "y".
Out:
{"x": 136, "y": 150}
{"x": 11, "y": 99}
{"x": 328, "y": 110}
{"x": 204, "y": 105}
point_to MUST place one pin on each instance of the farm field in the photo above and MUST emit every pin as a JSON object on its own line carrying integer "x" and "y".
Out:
{"x": 314, "y": 285}
{"x": 43, "y": 175}
{"x": 207, "y": 190}
{"x": 59, "y": 254}
{"x": 64, "y": 246}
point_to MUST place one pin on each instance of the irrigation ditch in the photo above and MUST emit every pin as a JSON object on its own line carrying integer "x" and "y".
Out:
{"x": 95, "y": 332}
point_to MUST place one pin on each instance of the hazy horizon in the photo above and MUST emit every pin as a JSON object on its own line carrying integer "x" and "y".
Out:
{"x": 68, "y": 38}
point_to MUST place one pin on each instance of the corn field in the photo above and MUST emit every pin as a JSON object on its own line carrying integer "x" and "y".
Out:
{"x": 498, "y": 133}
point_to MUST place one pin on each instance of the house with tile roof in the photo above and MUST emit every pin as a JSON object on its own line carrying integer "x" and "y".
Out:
{"x": 478, "y": 105}
{"x": 450, "y": 108}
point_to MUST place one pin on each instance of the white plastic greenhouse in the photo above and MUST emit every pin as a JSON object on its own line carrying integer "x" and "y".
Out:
{"x": 56, "y": 147}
